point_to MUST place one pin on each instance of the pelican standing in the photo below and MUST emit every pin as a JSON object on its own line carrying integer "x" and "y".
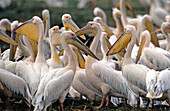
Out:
{"x": 102, "y": 77}
{"x": 33, "y": 72}
{"x": 158, "y": 85}
{"x": 134, "y": 73}
{"x": 54, "y": 90}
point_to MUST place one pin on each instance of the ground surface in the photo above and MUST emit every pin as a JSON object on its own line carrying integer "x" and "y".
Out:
{"x": 79, "y": 105}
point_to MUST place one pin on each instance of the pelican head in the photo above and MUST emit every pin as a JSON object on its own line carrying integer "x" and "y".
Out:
{"x": 91, "y": 27}
{"x": 69, "y": 24}
{"x": 148, "y": 22}
{"x": 123, "y": 40}
{"x": 70, "y": 38}
{"x": 126, "y": 3}
{"x": 145, "y": 40}
{"x": 99, "y": 13}
{"x": 165, "y": 27}
{"x": 5, "y": 24}
{"x": 117, "y": 16}
{"x": 55, "y": 35}
{"x": 104, "y": 25}
{"x": 30, "y": 28}
{"x": 167, "y": 18}
{"x": 46, "y": 20}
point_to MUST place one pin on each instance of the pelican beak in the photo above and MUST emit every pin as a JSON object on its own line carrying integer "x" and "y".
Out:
{"x": 44, "y": 21}
{"x": 117, "y": 4}
{"x": 128, "y": 6}
{"x": 13, "y": 48}
{"x": 120, "y": 44}
{"x": 74, "y": 41}
{"x": 85, "y": 30}
{"x": 28, "y": 29}
{"x": 70, "y": 24}
{"x": 108, "y": 43}
{"x": 61, "y": 53}
{"x": 140, "y": 49}
{"x": 80, "y": 58}
{"x": 150, "y": 28}
{"x": 107, "y": 29}
{"x": 4, "y": 37}
{"x": 34, "y": 45}
{"x": 120, "y": 23}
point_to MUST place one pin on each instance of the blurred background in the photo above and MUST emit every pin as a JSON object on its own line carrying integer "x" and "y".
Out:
{"x": 80, "y": 10}
{"x": 22, "y": 10}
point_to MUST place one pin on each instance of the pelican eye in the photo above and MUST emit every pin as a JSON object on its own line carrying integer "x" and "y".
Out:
{"x": 54, "y": 29}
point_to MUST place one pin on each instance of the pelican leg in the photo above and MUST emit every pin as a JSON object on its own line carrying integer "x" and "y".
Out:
{"x": 1, "y": 101}
{"x": 102, "y": 102}
{"x": 152, "y": 103}
{"x": 148, "y": 101}
{"x": 62, "y": 106}
{"x": 80, "y": 96}
{"x": 108, "y": 100}
{"x": 50, "y": 108}
{"x": 138, "y": 101}
{"x": 30, "y": 106}
{"x": 167, "y": 100}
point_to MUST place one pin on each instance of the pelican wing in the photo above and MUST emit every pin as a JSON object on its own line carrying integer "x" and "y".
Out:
{"x": 112, "y": 77}
{"x": 44, "y": 81}
{"x": 26, "y": 72}
{"x": 163, "y": 82}
{"x": 136, "y": 74}
{"x": 82, "y": 77}
{"x": 15, "y": 84}
{"x": 155, "y": 57}
{"x": 57, "y": 86}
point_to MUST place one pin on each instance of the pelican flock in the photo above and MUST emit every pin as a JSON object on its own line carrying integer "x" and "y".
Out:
{"x": 127, "y": 62}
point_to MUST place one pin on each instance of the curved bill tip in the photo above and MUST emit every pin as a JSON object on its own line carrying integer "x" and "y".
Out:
{"x": 4, "y": 37}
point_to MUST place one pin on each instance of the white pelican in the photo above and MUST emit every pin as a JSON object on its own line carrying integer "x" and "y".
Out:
{"x": 21, "y": 50}
{"x": 33, "y": 72}
{"x": 157, "y": 12}
{"x": 81, "y": 84}
{"x": 98, "y": 12}
{"x": 14, "y": 85}
{"x": 158, "y": 85}
{"x": 117, "y": 17}
{"x": 134, "y": 73}
{"x": 5, "y": 24}
{"x": 56, "y": 83}
{"x": 101, "y": 76}
{"x": 123, "y": 4}
{"x": 165, "y": 27}
{"x": 46, "y": 41}
{"x": 151, "y": 56}
{"x": 55, "y": 61}
{"x": 4, "y": 37}
{"x": 69, "y": 24}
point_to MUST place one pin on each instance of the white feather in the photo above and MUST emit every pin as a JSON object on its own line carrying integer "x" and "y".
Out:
{"x": 114, "y": 79}
{"x": 15, "y": 84}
